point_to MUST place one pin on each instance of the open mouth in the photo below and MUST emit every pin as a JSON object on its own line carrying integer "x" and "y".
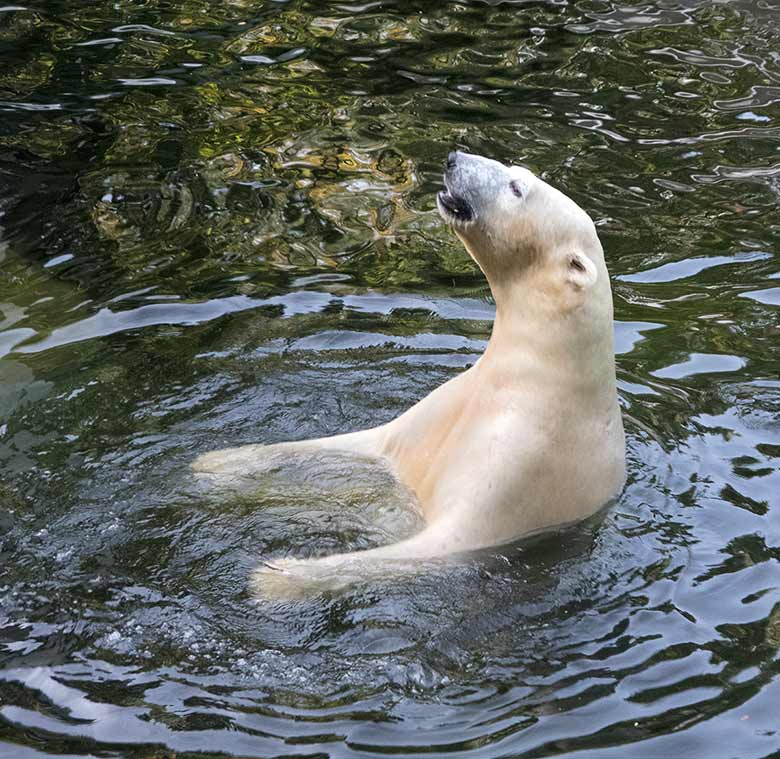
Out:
{"x": 453, "y": 207}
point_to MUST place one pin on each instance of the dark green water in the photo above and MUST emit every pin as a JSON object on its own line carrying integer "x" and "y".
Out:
{"x": 217, "y": 227}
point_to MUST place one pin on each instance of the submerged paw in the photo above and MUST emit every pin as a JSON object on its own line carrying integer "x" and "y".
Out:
{"x": 215, "y": 462}
{"x": 294, "y": 579}
{"x": 239, "y": 462}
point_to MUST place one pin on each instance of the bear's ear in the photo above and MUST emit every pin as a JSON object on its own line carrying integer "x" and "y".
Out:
{"x": 581, "y": 272}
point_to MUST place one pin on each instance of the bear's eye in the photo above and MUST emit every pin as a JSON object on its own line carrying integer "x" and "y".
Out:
{"x": 517, "y": 187}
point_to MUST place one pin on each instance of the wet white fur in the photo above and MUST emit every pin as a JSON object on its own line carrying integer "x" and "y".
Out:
{"x": 529, "y": 437}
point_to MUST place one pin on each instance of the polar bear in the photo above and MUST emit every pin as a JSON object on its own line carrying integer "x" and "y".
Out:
{"x": 531, "y": 435}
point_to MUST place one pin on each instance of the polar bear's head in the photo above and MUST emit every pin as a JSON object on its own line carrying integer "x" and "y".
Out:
{"x": 516, "y": 226}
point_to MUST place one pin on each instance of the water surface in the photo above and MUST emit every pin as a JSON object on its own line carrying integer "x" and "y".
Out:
{"x": 218, "y": 227}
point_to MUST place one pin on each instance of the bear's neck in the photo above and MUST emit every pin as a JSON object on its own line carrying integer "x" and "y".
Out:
{"x": 571, "y": 354}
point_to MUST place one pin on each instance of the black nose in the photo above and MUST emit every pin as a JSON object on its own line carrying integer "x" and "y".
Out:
{"x": 452, "y": 159}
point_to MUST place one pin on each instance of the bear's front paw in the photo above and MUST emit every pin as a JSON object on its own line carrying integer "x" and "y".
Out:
{"x": 209, "y": 463}
{"x": 239, "y": 462}
{"x": 290, "y": 579}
